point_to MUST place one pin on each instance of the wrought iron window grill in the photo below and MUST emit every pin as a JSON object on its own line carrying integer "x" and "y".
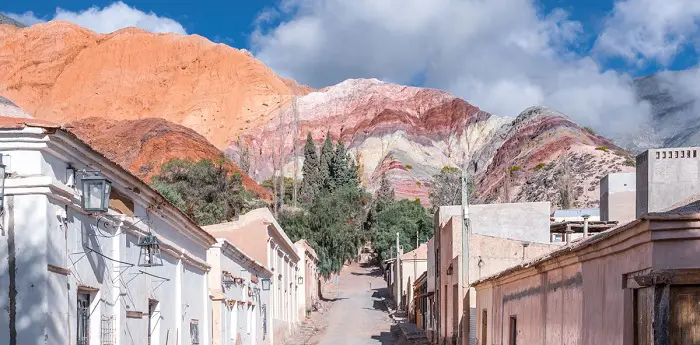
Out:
{"x": 83, "y": 319}
{"x": 194, "y": 332}
{"x": 107, "y": 335}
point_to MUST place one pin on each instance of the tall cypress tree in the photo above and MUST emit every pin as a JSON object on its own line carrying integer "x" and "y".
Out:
{"x": 326, "y": 164}
{"x": 340, "y": 171}
{"x": 386, "y": 191}
{"x": 311, "y": 182}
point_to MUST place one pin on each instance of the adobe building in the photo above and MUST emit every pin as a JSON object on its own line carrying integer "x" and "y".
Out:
{"x": 308, "y": 271}
{"x": 411, "y": 266}
{"x": 237, "y": 297}
{"x": 258, "y": 234}
{"x": 500, "y": 236}
{"x": 637, "y": 284}
{"x": 91, "y": 254}
{"x": 666, "y": 177}
{"x": 618, "y": 197}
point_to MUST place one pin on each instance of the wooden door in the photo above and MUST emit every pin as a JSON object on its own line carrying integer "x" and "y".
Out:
{"x": 684, "y": 323}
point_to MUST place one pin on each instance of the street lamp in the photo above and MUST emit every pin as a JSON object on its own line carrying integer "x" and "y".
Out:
{"x": 150, "y": 251}
{"x": 96, "y": 190}
{"x": 3, "y": 167}
{"x": 266, "y": 284}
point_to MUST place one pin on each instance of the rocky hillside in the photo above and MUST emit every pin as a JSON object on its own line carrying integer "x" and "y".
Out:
{"x": 675, "y": 108}
{"x": 143, "y": 146}
{"x": 224, "y": 94}
{"x": 63, "y": 72}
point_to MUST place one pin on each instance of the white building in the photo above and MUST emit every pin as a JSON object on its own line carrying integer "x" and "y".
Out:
{"x": 259, "y": 235}
{"x": 239, "y": 299}
{"x": 72, "y": 276}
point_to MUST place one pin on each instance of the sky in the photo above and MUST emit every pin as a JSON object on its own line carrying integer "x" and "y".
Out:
{"x": 579, "y": 57}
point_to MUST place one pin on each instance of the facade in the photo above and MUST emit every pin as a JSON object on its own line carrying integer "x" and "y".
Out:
{"x": 496, "y": 241}
{"x": 421, "y": 312}
{"x": 666, "y": 177}
{"x": 309, "y": 295}
{"x": 238, "y": 302}
{"x": 73, "y": 276}
{"x": 636, "y": 284}
{"x": 618, "y": 197}
{"x": 258, "y": 234}
{"x": 411, "y": 266}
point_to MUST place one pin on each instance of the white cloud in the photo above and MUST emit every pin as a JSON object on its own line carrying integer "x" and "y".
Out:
{"x": 116, "y": 16}
{"x": 643, "y": 31}
{"x": 500, "y": 55}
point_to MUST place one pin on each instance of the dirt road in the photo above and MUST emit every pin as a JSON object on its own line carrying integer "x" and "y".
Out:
{"x": 358, "y": 316}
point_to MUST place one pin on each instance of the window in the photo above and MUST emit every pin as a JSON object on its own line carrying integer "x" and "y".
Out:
{"x": 108, "y": 330}
{"x": 664, "y": 154}
{"x": 484, "y": 328}
{"x": 695, "y": 153}
{"x": 194, "y": 332}
{"x": 513, "y": 330}
{"x": 658, "y": 155}
{"x": 83, "y": 321}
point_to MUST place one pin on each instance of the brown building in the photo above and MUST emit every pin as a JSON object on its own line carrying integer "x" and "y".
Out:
{"x": 636, "y": 284}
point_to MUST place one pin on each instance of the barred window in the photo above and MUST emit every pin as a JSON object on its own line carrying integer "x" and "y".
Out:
{"x": 194, "y": 331}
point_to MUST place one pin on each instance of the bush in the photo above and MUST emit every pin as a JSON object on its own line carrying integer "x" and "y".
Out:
{"x": 589, "y": 130}
{"x": 418, "y": 183}
{"x": 602, "y": 148}
{"x": 539, "y": 166}
{"x": 514, "y": 168}
{"x": 207, "y": 192}
{"x": 409, "y": 167}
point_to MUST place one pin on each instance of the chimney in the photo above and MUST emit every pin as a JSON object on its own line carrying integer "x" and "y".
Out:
{"x": 568, "y": 234}
{"x": 585, "y": 225}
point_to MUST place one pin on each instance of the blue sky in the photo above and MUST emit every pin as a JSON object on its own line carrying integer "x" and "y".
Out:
{"x": 579, "y": 57}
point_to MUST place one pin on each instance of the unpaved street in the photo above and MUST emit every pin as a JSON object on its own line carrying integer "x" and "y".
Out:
{"x": 358, "y": 316}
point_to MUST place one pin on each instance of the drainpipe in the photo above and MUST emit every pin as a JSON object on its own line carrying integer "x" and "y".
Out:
{"x": 585, "y": 225}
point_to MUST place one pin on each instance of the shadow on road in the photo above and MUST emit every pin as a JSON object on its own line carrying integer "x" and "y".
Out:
{"x": 374, "y": 272}
{"x": 387, "y": 338}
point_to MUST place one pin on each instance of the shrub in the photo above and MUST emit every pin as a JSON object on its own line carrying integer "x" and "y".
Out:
{"x": 539, "y": 166}
{"x": 409, "y": 167}
{"x": 514, "y": 168}
{"x": 602, "y": 148}
{"x": 589, "y": 130}
{"x": 418, "y": 183}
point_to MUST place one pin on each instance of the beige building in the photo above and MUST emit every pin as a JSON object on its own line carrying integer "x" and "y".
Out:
{"x": 635, "y": 284}
{"x": 308, "y": 271}
{"x": 258, "y": 234}
{"x": 238, "y": 302}
{"x": 412, "y": 265}
{"x": 489, "y": 251}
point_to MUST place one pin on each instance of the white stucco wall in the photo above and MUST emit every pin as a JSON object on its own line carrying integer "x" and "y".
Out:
{"x": 56, "y": 249}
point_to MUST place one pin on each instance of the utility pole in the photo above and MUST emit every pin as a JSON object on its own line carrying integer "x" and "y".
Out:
{"x": 465, "y": 243}
{"x": 295, "y": 129}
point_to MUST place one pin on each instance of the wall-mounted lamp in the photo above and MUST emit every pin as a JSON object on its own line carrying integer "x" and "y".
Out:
{"x": 150, "y": 251}
{"x": 265, "y": 282}
{"x": 3, "y": 173}
{"x": 96, "y": 190}
{"x": 300, "y": 280}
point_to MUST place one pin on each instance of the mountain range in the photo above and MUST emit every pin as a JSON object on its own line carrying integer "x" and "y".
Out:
{"x": 144, "y": 98}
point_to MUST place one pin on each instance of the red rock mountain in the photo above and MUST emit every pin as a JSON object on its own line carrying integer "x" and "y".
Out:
{"x": 65, "y": 73}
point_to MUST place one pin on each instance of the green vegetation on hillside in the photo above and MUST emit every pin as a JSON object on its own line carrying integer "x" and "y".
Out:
{"x": 206, "y": 191}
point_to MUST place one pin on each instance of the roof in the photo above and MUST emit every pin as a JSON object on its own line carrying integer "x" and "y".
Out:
{"x": 577, "y": 226}
{"x": 420, "y": 253}
{"x": 304, "y": 243}
{"x": 579, "y": 212}
{"x": 259, "y": 214}
{"x": 226, "y": 243}
{"x": 689, "y": 211}
{"x": 14, "y": 123}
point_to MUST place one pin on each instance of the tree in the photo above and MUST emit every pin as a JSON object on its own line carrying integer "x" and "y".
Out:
{"x": 408, "y": 218}
{"x": 326, "y": 163}
{"x": 288, "y": 187}
{"x": 332, "y": 225}
{"x": 385, "y": 193}
{"x": 242, "y": 155}
{"x": 311, "y": 183}
{"x": 447, "y": 187}
{"x": 207, "y": 192}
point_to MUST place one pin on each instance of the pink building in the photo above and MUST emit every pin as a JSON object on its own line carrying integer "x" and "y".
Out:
{"x": 636, "y": 284}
